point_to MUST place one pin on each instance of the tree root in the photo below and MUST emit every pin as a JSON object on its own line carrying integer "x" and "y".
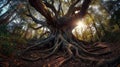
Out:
{"x": 54, "y": 50}
{"x": 73, "y": 49}
{"x": 41, "y": 43}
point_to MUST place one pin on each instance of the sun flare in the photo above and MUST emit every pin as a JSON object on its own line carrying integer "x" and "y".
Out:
{"x": 81, "y": 26}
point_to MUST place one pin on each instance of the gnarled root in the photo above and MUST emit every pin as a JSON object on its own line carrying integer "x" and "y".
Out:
{"x": 73, "y": 50}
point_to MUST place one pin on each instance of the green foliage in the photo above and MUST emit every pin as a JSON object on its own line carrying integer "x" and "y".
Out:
{"x": 3, "y": 30}
{"x": 7, "y": 48}
{"x": 112, "y": 34}
{"x": 8, "y": 41}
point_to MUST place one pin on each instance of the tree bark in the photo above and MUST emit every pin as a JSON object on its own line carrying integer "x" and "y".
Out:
{"x": 61, "y": 37}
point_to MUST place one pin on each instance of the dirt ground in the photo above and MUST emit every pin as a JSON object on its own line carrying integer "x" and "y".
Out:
{"x": 53, "y": 61}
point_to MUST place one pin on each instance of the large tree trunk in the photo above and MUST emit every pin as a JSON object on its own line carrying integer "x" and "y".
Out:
{"x": 61, "y": 37}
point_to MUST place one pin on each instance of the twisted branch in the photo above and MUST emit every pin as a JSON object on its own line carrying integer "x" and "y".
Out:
{"x": 42, "y": 8}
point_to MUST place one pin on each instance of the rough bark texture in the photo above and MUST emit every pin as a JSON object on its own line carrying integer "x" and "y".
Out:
{"x": 61, "y": 38}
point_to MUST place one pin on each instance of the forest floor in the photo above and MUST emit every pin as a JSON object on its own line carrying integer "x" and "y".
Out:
{"x": 16, "y": 61}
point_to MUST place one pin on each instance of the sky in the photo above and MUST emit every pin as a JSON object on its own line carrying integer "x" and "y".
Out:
{"x": 5, "y": 8}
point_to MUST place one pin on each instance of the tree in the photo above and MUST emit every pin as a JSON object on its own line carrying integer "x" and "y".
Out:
{"x": 60, "y": 24}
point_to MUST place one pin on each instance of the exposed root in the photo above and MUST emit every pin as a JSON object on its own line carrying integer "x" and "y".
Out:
{"x": 47, "y": 50}
{"x": 31, "y": 59}
{"x": 54, "y": 46}
{"x": 73, "y": 49}
{"x": 70, "y": 55}
{"x": 39, "y": 44}
{"x": 54, "y": 51}
{"x": 90, "y": 53}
